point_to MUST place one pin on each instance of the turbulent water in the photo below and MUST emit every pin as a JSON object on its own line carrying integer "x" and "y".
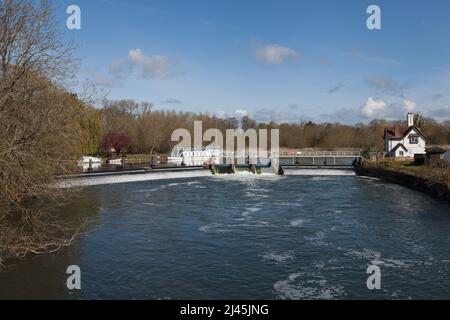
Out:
{"x": 248, "y": 237}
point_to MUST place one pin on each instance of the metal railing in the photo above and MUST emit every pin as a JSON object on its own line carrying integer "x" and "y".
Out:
{"x": 161, "y": 160}
{"x": 300, "y": 154}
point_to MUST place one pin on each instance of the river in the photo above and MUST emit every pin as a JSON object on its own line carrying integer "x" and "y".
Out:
{"x": 248, "y": 237}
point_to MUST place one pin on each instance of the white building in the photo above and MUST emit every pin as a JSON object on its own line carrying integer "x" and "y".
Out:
{"x": 89, "y": 163}
{"x": 405, "y": 142}
{"x": 194, "y": 157}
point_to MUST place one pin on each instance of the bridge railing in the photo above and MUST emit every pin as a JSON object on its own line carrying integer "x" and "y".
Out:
{"x": 321, "y": 154}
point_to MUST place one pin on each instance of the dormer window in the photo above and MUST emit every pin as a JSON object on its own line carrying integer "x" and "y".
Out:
{"x": 414, "y": 139}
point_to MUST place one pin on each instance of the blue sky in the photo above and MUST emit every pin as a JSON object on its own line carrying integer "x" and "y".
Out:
{"x": 285, "y": 60}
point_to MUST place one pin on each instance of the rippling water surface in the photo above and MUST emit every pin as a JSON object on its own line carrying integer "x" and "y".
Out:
{"x": 248, "y": 237}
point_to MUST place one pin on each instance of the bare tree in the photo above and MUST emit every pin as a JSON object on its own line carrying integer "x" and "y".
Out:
{"x": 37, "y": 126}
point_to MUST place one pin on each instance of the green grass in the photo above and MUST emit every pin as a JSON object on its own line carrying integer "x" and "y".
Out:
{"x": 130, "y": 156}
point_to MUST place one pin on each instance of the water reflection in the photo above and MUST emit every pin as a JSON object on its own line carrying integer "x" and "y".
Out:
{"x": 44, "y": 277}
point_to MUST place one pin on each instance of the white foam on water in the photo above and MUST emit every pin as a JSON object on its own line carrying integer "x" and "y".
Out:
{"x": 318, "y": 172}
{"x": 297, "y": 288}
{"x": 289, "y": 204}
{"x": 375, "y": 258}
{"x": 255, "y": 195}
{"x": 256, "y": 224}
{"x": 324, "y": 178}
{"x": 223, "y": 228}
{"x": 116, "y": 179}
{"x": 247, "y": 176}
{"x": 214, "y": 228}
{"x": 126, "y": 178}
{"x": 366, "y": 254}
{"x": 319, "y": 265}
{"x": 369, "y": 178}
{"x": 190, "y": 183}
{"x": 394, "y": 263}
{"x": 173, "y": 184}
{"x": 259, "y": 190}
{"x": 297, "y": 223}
{"x": 317, "y": 239}
{"x": 250, "y": 211}
{"x": 278, "y": 257}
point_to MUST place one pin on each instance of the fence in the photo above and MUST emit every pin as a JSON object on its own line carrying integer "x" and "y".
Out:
{"x": 391, "y": 160}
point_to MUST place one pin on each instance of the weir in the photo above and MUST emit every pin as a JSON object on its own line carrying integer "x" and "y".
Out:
{"x": 301, "y": 163}
{"x": 320, "y": 162}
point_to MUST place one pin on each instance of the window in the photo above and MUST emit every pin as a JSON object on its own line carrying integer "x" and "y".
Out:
{"x": 414, "y": 139}
{"x": 402, "y": 153}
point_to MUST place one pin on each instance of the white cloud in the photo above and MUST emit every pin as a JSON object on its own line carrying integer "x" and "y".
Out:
{"x": 238, "y": 114}
{"x": 373, "y": 108}
{"x": 241, "y": 113}
{"x": 378, "y": 108}
{"x": 409, "y": 105}
{"x": 220, "y": 114}
{"x": 275, "y": 54}
{"x": 155, "y": 66}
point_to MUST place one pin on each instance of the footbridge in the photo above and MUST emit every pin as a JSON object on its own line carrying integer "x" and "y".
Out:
{"x": 315, "y": 160}
{"x": 294, "y": 163}
{"x": 302, "y": 162}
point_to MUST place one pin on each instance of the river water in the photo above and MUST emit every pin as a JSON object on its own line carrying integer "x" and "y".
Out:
{"x": 248, "y": 237}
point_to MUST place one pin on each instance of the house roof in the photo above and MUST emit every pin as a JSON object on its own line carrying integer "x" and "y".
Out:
{"x": 435, "y": 150}
{"x": 419, "y": 132}
{"x": 392, "y": 134}
{"x": 400, "y": 145}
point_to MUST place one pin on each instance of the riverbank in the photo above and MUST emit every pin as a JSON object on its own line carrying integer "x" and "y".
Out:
{"x": 433, "y": 181}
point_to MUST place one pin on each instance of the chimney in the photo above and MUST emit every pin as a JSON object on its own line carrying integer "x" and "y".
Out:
{"x": 397, "y": 131}
{"x": 410, "y": 119}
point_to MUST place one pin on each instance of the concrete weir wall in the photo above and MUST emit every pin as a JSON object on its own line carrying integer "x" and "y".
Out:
{"x": 318, "y": 172}
{"x": 124, "y": 177}
{"x": 436, "y": 190}
{"x": 300, "y": 170}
